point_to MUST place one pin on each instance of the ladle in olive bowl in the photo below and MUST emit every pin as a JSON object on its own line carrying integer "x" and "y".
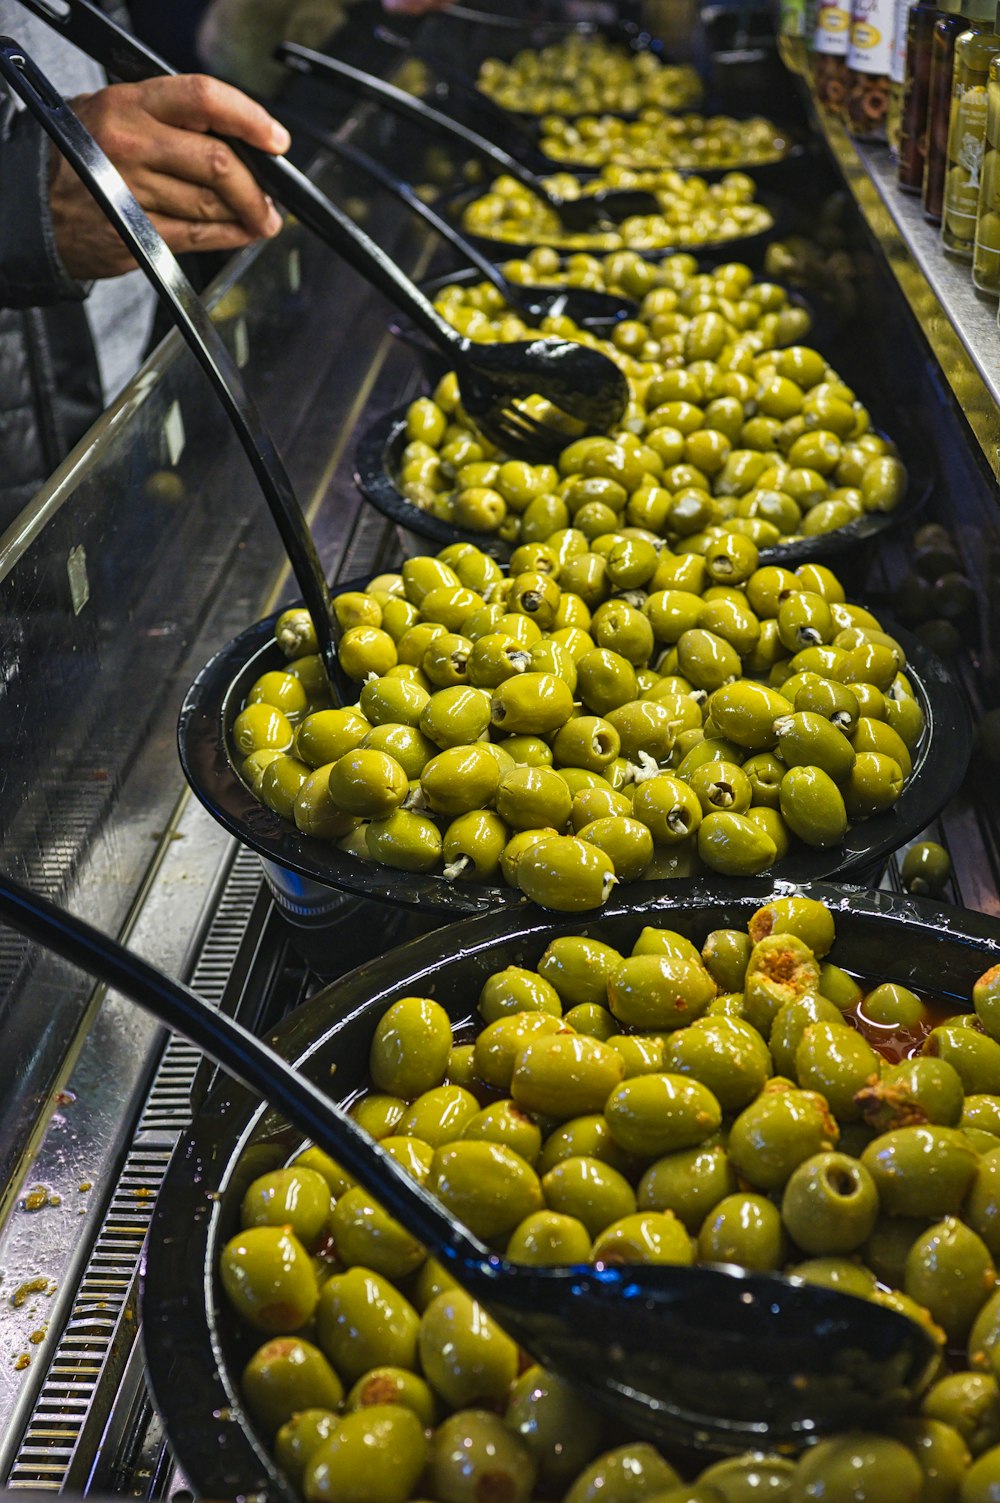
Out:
{"x": 710, "y": 1357}
{"x": 594, "y": 310}
{"x": 576, "y": 215}
{"x": 495, "y": 380}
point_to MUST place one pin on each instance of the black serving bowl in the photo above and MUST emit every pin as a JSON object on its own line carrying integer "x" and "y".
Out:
{"x": 211, "y": 766}
{"x": 376, "y": 471}
{"x": 748, "y": 248}
{"x": 771, "y": 174}
{"x": 435, "y": 363}
{"x": 196, "y": 1347}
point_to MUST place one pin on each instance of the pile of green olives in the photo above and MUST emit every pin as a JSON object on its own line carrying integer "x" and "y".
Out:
{"x": 746, "y": 1102}
{"x": 772, "y": 446}
{"x": 692, "y": 212}
{"x": 587, "y": 74}
{"x": 659, "y": 139}
{"x": 600, "y": 714}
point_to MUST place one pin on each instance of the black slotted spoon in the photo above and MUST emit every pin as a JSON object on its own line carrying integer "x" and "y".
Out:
{"x": 493, "y": 378}
{"x": 593, "y": 310}
{"x": 575, "y": 214}
{"x": 190, "y": 318}
{"x": 708, "y": 1357}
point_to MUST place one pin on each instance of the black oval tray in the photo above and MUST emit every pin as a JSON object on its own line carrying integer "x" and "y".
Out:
{"x": 217, "y": 695}
{"x": 195, "y": 1347}
{"x": 748, "y": 248}
{"x": 376, "y": 465}
{"x": 822, "y": 322}
{"x": 769, "y": 174}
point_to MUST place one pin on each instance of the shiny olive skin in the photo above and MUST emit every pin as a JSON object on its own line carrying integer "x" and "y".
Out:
{"x": 565, "y": 1075}
{"x": 268, "y": 1278}
{"x": 829, "y": 1204}
{"x": 287, "y": 1375}
{"x": 860, "y": 1466}
{"x": 561, "y": 1431}
{"x": 410, "y": 1047}
{"x": 365, "y": 1234}
{"x": 776, "y": 1133}
{"x": 744, "y": 1229}
{"x": 652, "y": 1115}
{"x": 921, "y": 1171}
{"x": 626, "y": 1475}
{"x": 363, "y": 1321}
{"x": 690, "y": 1183}
{"x": 298, "y": 1198}
{"x": 465, "y": 1356}
{"x": 473, "y": 1452}
{"x": 486, "y": 1185}
{"x": 950, "y": 1272}
{"x": 373, "y": 1455}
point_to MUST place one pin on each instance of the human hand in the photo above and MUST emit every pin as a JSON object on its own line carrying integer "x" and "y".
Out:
{"x": 194, "y": 188}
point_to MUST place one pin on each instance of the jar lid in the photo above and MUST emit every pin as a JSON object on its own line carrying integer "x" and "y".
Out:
{"x": 978, "y": 10}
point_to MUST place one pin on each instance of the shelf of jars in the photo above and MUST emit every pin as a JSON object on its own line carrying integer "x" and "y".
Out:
{"x": 958, "y": 322}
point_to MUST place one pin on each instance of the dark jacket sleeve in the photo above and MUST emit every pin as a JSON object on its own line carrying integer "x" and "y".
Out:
{"x": 31, "y": 274}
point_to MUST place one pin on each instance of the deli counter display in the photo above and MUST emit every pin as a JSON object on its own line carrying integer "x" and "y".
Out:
{"x": 618, "y": 678}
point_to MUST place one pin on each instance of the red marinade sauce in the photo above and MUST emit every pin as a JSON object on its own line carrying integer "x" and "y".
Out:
{"x": 895, "y": 1043}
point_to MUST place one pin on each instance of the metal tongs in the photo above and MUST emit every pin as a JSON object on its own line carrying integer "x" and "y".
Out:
{"x": 189, "y": 315}
{"x": 589, "y": 212}
{"x": 493, "y": 378}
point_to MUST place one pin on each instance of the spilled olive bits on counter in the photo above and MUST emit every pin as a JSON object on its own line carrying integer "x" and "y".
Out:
{"x": 683, "y": 1131}
{"x": 654, "y": 737}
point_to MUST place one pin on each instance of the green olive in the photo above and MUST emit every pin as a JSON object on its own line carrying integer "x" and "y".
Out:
{"x": 373, "y": 1455}
{"x": 268, "y": 1278}
{"x": 465, "y": 1356}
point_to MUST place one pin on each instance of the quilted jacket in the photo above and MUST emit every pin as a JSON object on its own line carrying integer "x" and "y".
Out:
{"x": 50, "y": 390}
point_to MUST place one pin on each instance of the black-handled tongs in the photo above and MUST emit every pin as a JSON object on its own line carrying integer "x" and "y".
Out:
{"x": 493, "y": 379}
{"x": 179, "y": 298}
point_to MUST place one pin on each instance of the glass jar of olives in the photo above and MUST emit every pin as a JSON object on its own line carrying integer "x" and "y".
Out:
{"x": 986, "y": 251}
{"x": 920, "y": 19}
{"x": 946, "y": 30}
{"x": 869, "y": 55}
{"x": 974, "y": 49}
{"x": 830, "y": 40}
{"x": 897, "y": 73}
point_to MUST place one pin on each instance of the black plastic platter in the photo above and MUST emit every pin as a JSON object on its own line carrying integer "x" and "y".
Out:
{"x": 376, "y": 471}
{"x": 770, "y": 173}
{"x": 748, "y": 248}
{"x": 211, "y": 767}
{"x": 195, "y": 1346}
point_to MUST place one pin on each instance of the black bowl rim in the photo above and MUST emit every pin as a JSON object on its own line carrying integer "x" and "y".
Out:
{"x": 194, "y": 1391}
{"x": 771, "y": 171}
{"x": 820, "y": 328}
{"x": 743, "y": 248}
{"x": 380, "y": 444}
{"x": 213, "y": 700}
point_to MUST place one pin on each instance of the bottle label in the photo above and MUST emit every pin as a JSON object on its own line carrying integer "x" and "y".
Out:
{"x": 870, "y": 48}
{"x": 966, "y": 144}
{"x": 897, "y": 67}
{"x": 833, "y": 25}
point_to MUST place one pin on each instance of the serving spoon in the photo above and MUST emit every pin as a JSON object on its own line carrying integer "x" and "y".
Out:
{"x": 714, "y": 1358}
{"x": 494, "y": 379}
{"x": 589, "y": 212}
{"x": 588, "y": 307}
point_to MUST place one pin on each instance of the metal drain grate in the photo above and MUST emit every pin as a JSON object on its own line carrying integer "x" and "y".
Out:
{"x": 83, "y": 1377}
